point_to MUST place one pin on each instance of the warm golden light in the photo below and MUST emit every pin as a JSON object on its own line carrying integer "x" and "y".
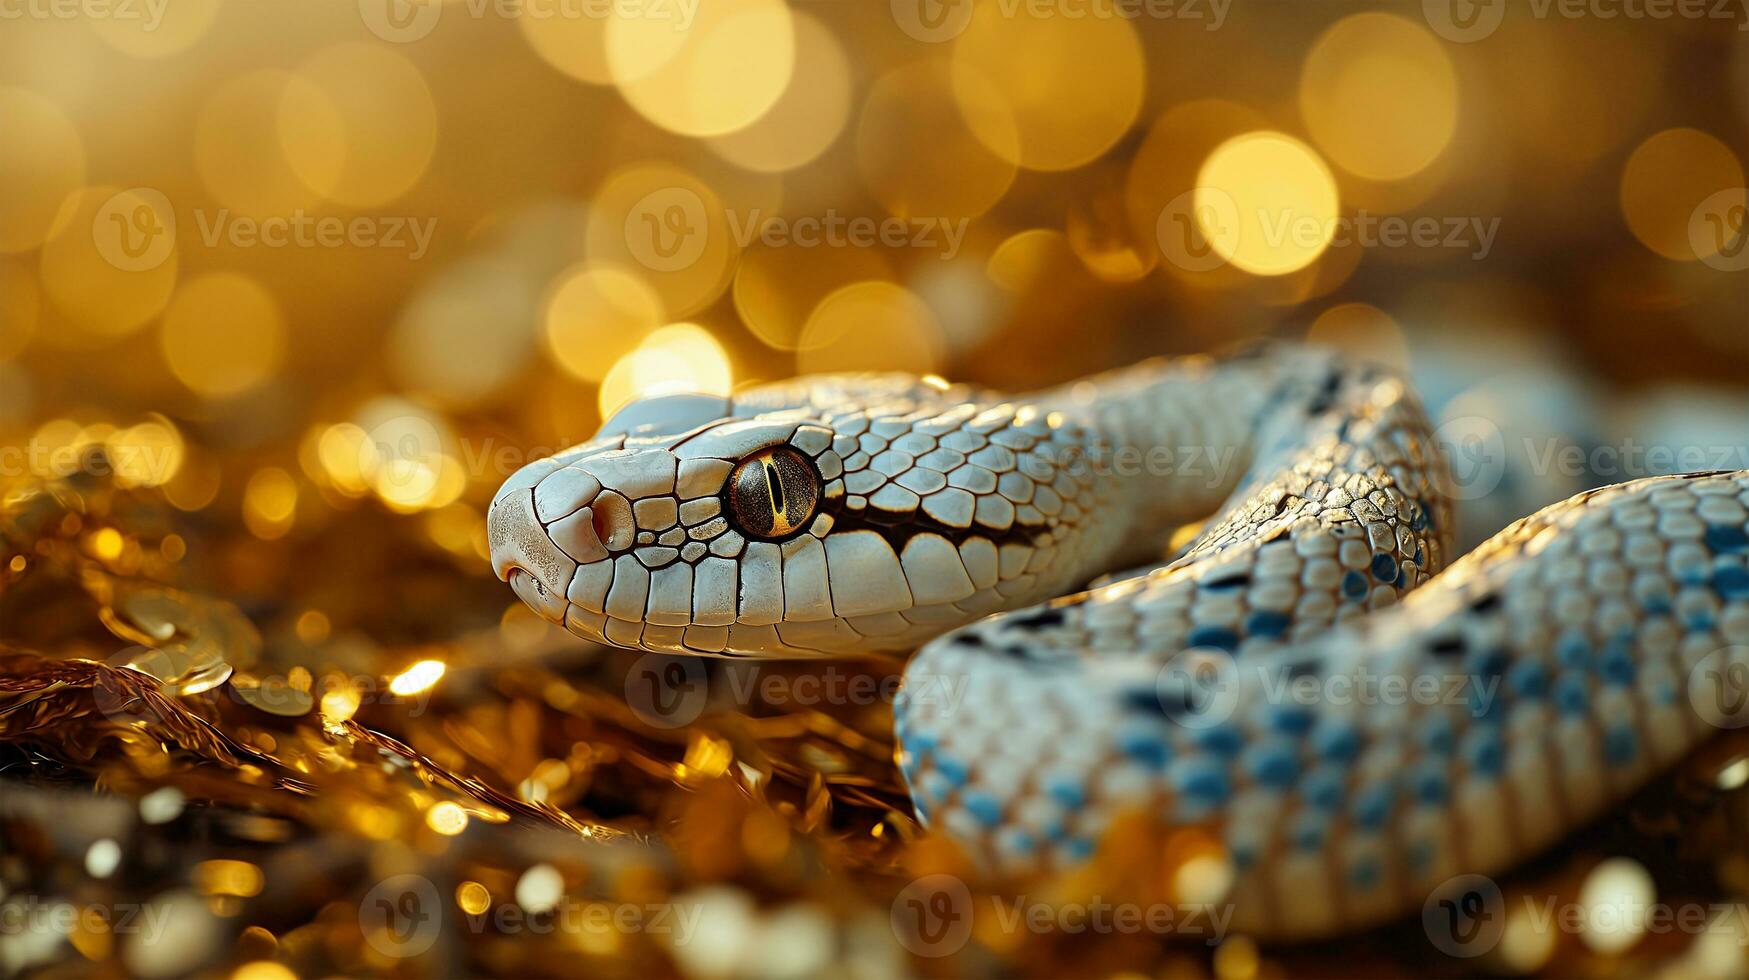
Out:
{"x": 596, "y": 314}
{"x": 1072, "y": 85}
{"x": 1669, "y": 176}
{"x": 43, "y": 161}
{"x": 237, "y": 143}
{"x": 446, "y": 818}
{"x": 1266, "y": 203}
{"x": 871, "y": 326}
{"x": 1616, "y": 900}
{"x": 422, "y": 676}
{"x": 1379, "y": 96}
{"x": 270, "y": 503}
{"x": 222, "y": 334}
{"x": 807, "y": 117}
{"x": 924, "y": 142}
{"x": 362, "y": 127}
{"x": 675, "y": 358}
{"x": 695, "y": 77}
{"x": 175, "y": 28}
{"x": 111, "y": 266}
{"x": 1364, "y": 331}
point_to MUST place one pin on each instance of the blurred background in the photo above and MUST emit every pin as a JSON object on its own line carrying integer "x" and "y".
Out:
{"x": 288, "y": 288}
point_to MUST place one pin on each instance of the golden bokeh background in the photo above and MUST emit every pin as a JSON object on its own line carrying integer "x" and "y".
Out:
{"x": 317, "y": 276}
{"x": 500, "y": 212}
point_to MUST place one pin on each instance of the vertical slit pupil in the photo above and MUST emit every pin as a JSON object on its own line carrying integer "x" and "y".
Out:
{"x": 773, "y": 493}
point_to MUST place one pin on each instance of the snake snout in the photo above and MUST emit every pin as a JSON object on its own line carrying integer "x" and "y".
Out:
{"x": 539, "y": 596}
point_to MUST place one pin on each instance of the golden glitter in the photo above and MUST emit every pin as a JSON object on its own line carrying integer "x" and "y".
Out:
{"x": 473, "y": 898}
{"x": 446, "y": 818}
{"x": 224, "y": 877}
{"x": 419, "y": 677}
{"x": 263, "y": 970}
{"x": 270, "y": 503}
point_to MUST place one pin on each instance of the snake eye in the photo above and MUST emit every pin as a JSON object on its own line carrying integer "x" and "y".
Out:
{"x": 773, "y": 493}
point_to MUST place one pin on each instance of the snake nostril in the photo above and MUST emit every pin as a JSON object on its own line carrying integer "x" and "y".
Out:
{"x": 613, "y": 521}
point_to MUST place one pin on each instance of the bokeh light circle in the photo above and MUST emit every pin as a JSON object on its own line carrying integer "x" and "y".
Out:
{"x": 596, "y": 314}
{"x": 41, "y": 162}
{"x": 1667, "y": 179}
{"x": 238, "y": 148}
{"x": 468, "y": 331}
{"x": 871, "y": 326}
{"x": 675, "y": 358}
{"x": 1718, "y": 230}
{"x": 363, "y": 128}
{"x": 809, "y": 115}
{"x": 1073, "y": 84}
{"x": 156, "y": 30}
{"x": 1283, "y": 194}
{"x": 777, "y": 288}
{"x": 222, "y": 334}
{"x": 575, "y": 45}
{"x": 669, "y": 226}
{"x": 1379, "y": 96}
{"x": 112, "y": 265}
{"x": 712, "y": 73}
{"x": 923, "y": 142}
{"x": 1364, "y": 332}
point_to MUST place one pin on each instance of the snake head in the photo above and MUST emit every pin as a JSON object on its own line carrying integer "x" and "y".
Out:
{"x": 791, "y": 533}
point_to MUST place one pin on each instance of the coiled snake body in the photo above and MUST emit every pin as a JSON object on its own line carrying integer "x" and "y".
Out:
{"x": 1353, "y": 735}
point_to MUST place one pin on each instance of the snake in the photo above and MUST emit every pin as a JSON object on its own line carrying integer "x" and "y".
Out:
{"x": 1215, "y": 590}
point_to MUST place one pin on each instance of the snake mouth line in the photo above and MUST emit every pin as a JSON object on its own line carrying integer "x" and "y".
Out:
{"x": 899, "y": 528}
